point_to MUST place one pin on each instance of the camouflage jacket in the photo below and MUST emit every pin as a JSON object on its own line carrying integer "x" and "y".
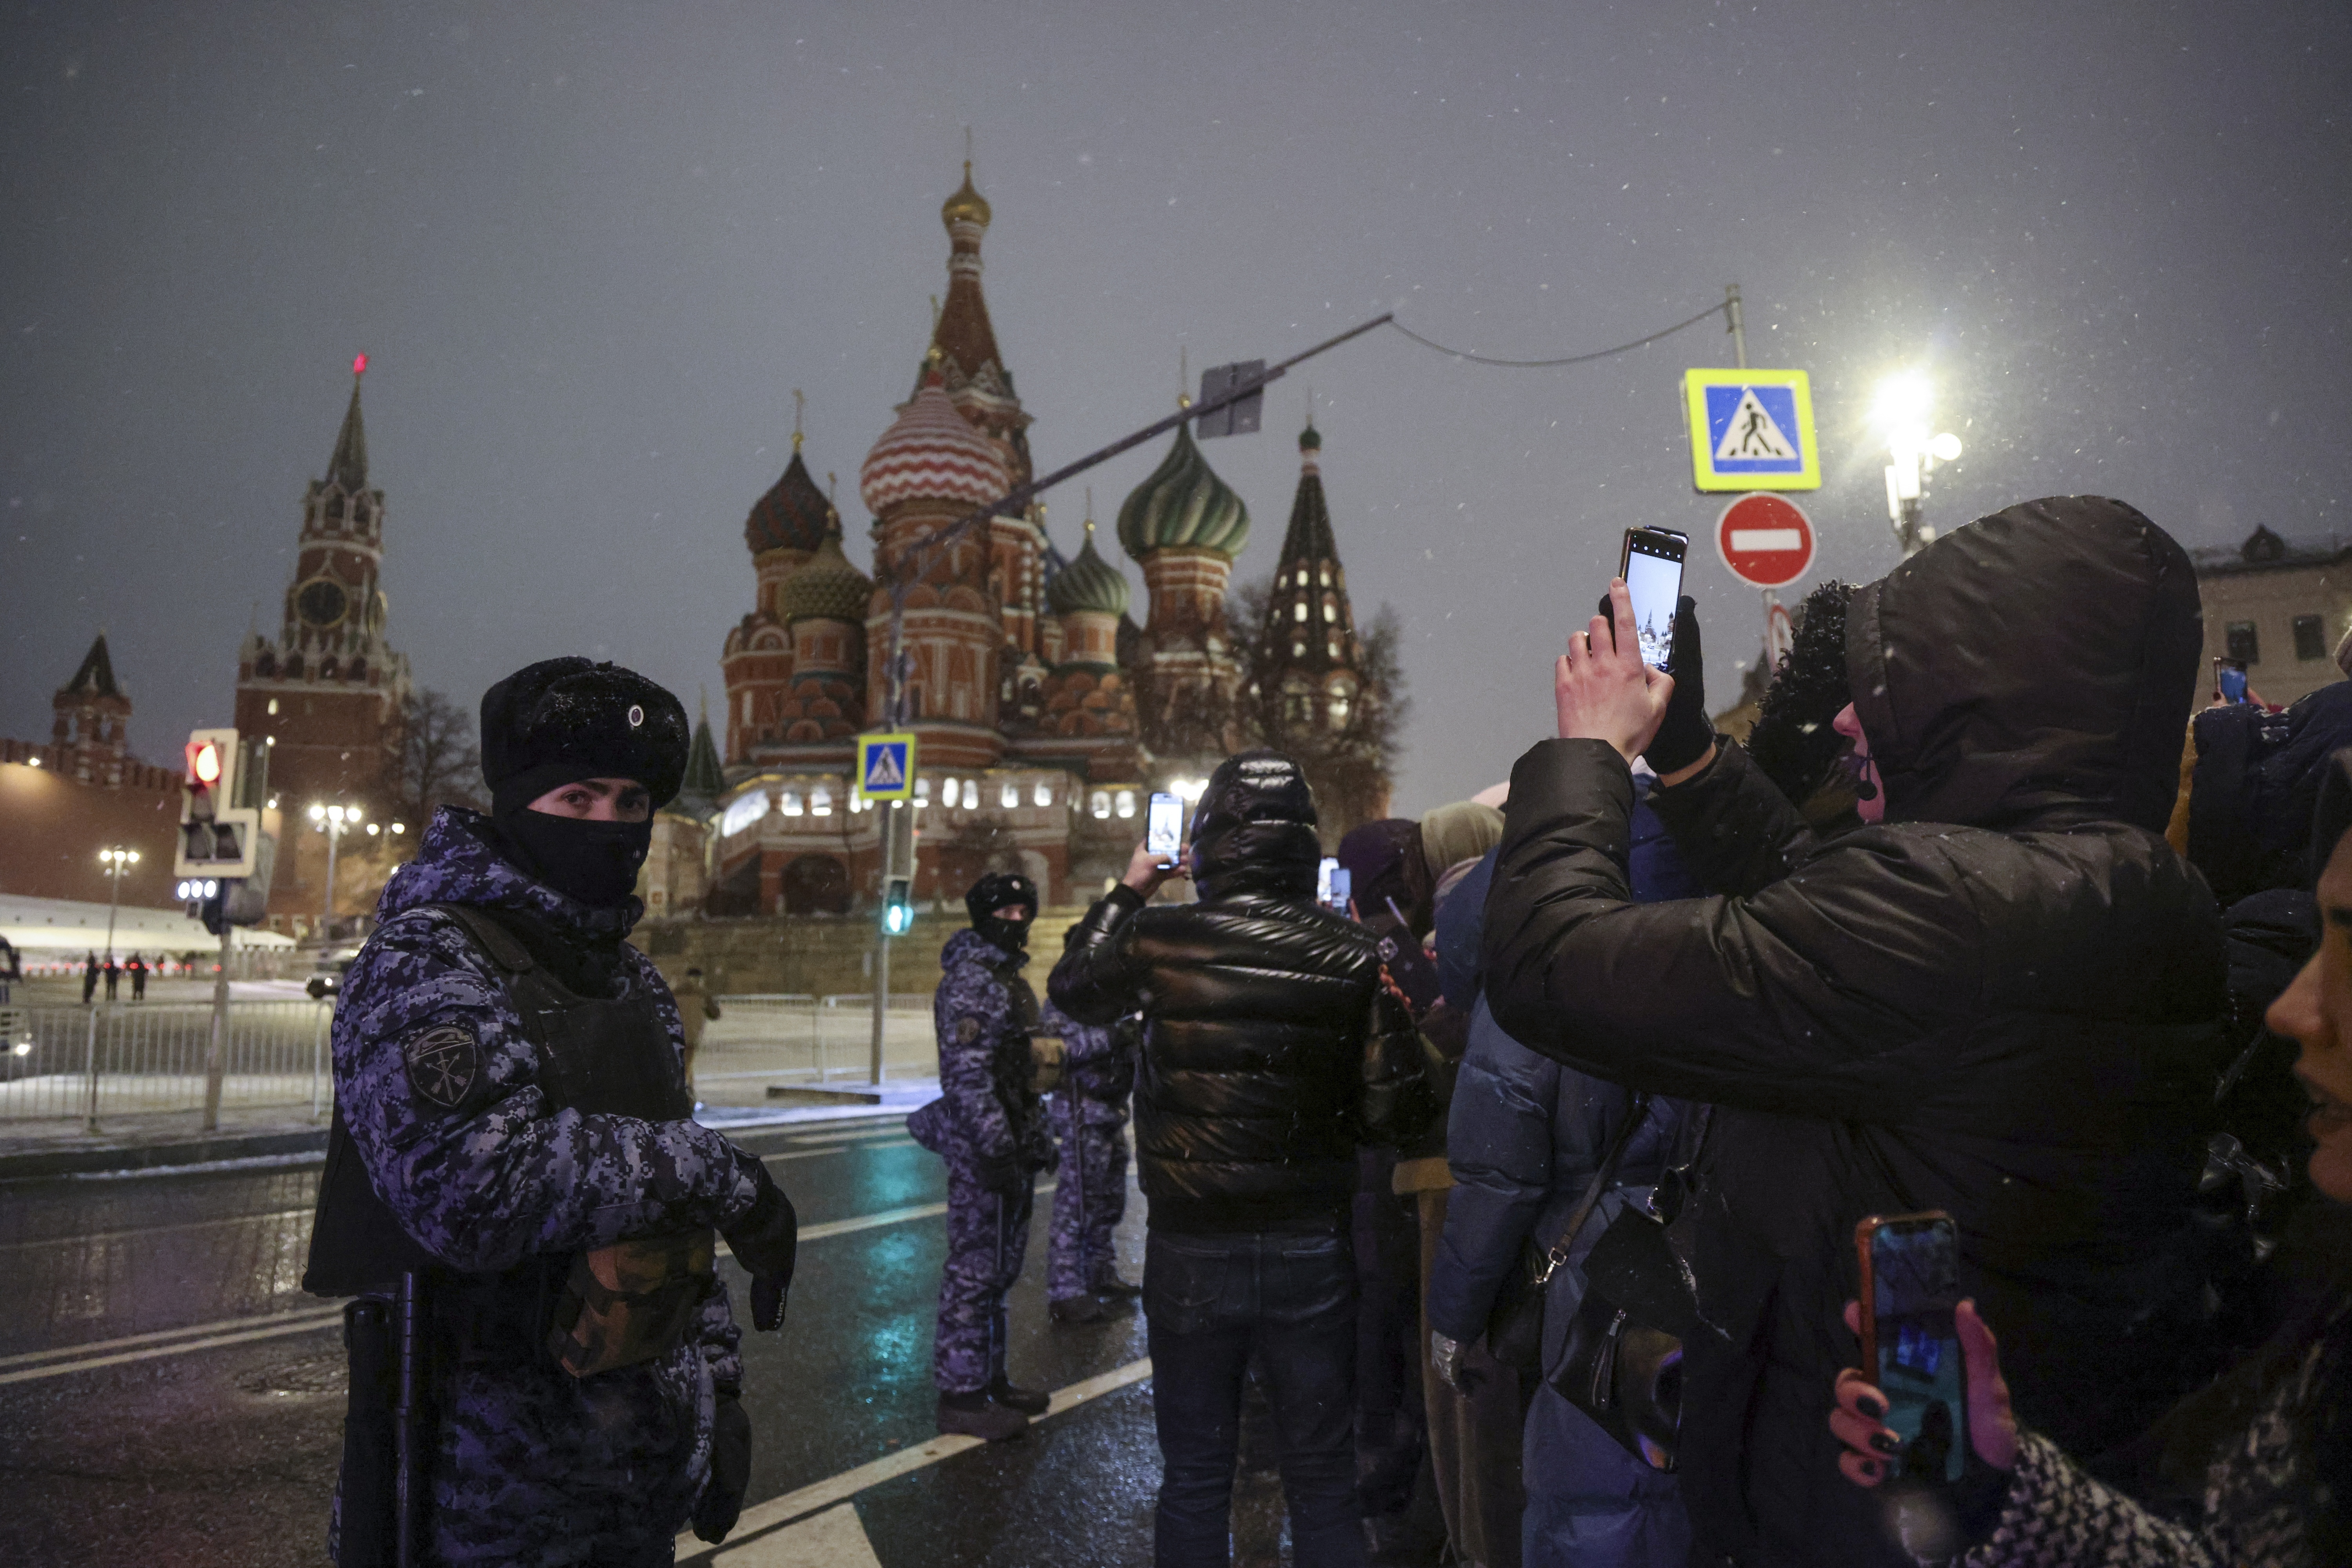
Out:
{"x": 436, "y": 1081}
{"x": 984, "y": 1012}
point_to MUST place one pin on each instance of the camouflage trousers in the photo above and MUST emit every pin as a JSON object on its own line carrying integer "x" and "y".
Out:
{"x": 537, "y": 1468}
{"x": 987, "y": 1234}
{"x": 1089, "y": 1199}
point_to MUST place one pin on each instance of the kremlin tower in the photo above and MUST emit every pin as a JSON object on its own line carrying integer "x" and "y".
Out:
{"x": 1309, "y": 635}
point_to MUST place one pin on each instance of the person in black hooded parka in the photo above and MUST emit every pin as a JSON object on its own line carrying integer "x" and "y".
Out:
{"x": 1999, "y": 998}
{"x": 1271, "y": 1050}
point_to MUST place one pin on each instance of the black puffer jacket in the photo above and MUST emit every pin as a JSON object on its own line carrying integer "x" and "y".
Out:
{"x": 2002, "y": 1002}
{"x": 1270, "y": 1049}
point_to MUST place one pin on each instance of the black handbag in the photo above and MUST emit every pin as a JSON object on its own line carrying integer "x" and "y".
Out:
{"x": 1623, "y": 1362}
{"x": 1515, "y": 1323}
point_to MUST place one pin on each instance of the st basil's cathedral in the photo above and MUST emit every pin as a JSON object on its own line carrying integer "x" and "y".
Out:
{"x": 1045, "y": 715}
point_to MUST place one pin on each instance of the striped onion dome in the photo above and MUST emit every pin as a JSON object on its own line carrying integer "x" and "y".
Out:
{"x": 1088, "y": 586}
{"x": 828, "y": 588}
{"x": 931, "y": 453}
{"x": 1183, "y": 505}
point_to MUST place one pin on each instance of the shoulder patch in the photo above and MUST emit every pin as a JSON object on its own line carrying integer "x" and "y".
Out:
{"x": 445, "y": 1063}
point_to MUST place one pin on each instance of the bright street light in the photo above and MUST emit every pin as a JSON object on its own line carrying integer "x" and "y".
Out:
{"x": 114, "y": 864}
{"x": 1901, "y": 409}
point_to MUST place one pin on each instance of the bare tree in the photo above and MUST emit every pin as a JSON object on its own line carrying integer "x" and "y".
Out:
{"x": 1350, "y": 764}
{"x": 431, "y": 758}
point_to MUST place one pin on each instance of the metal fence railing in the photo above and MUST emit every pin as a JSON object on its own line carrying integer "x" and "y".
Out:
{"x": 116, "y": 1059}
{"x": 816, "y": 1039}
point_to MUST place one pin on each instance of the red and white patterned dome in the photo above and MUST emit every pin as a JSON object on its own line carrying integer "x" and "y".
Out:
{"x": 931, "y": 453}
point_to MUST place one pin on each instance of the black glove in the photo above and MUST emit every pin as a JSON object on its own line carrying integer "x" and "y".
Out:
{"x": 764, "y": 1240}
{"x": 721, "y": 1503}
{"x": 1688, "y": 732}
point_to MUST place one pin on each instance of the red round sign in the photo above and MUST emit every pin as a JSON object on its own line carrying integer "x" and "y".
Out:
{"x": 1765, "y": 539}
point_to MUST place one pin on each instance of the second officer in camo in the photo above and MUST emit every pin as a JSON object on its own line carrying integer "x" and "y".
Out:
{"x": 511, "y": 1119}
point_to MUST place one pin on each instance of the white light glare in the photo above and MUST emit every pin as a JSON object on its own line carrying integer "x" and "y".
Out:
{"x": 1945, "y": 448}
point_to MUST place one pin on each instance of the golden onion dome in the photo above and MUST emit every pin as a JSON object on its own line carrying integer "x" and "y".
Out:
{"x": 967, "y": 206}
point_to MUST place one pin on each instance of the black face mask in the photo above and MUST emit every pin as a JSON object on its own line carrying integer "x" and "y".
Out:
{"x": 594, "y": 862}
{"x": 1006, "y": 936}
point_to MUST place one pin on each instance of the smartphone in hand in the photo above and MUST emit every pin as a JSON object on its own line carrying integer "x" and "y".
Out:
{"x": 1163, "y": 828}
{"x": 2230, "y": 681}
{"x": 1910, "y": 1345}
{"x": 1652, "y": 565}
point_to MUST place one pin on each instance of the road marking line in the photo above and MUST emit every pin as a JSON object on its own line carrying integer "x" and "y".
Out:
{"x": 808, "y": 1499}
{"x": 158, "y": 1229}
{"x": 237, "y": 1331}
{"x": 227, "y": 1325}
{"x": 833, "y": 1538}
{"x": 32, "y": 1373}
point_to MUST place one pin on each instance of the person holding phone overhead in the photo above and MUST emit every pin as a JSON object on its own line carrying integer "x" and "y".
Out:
{"x": 2000, "y": 997}
{"x": 2265, "y": 1452}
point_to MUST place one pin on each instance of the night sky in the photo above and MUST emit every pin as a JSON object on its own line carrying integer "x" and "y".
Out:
{"x": 590, "y": 248}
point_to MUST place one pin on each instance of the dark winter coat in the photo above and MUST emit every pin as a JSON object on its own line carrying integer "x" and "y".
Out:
{"x": 1270, "y": 1049}
{"x": 2002, "y": 1002}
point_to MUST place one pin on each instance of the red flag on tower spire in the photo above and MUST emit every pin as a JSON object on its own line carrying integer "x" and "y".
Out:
{"x": 359, "y": 364}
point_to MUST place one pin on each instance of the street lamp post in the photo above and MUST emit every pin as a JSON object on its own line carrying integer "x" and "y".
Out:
{"x": 115, "y": 863}
{"x": 1914, "y": 447}
{"x": 331, "y": 821}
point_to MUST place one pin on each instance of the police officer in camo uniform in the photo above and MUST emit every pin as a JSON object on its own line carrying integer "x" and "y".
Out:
{"x": 1089, "y": 1115}
{"x": 511, "y": 1123}
{"x": 989, "y": 1127}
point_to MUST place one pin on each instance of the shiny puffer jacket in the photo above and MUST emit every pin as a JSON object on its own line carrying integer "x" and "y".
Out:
{"x": 2002, "y": 1002}
{"x": 1271, "y": 1050}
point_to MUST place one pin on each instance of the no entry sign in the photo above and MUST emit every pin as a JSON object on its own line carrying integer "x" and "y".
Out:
{"x": 1765, "y": 539}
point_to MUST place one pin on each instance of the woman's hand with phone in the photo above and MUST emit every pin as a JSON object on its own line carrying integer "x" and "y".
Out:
{"x": 1602, "y": 691}
{"x": 1857, "y": 1421}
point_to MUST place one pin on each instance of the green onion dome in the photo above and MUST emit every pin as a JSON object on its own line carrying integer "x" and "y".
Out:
{"x": 1183, "y": 505}
{"x": 828, "y": 588}
{"x": 1088, "y": 586}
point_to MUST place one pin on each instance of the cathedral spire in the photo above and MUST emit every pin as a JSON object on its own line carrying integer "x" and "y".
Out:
{"x": 348, "y": 467}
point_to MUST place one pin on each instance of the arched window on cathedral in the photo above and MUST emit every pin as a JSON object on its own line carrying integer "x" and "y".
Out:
{"x": 293, "y": 666}
{"x": 1298, "y": 610}
{"x": 327, "y": 667}
{"x": 265, "y": 667}
{"x": 358, "y": 671}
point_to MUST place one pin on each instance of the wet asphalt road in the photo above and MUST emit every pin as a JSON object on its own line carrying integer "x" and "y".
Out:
{"x": 197, "y": 1445}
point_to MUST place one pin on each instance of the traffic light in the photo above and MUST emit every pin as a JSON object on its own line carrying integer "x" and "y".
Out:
{"x": 227, "y": 845}
{"x": 898, "y": 905}
{"x": 220, "y": 831}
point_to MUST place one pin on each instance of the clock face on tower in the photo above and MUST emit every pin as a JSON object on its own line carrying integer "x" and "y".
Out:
{"x": 321, "y": 602}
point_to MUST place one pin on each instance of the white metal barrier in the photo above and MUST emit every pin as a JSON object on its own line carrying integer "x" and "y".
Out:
{"x": 113, "y": 1060}
{"x": 816, "y": 1039}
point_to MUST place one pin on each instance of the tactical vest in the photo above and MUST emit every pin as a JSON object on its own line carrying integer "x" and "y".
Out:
{"x": 591, "y": 1311}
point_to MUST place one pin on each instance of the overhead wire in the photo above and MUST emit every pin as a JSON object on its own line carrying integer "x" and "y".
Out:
{"x": 1715, "y": 309}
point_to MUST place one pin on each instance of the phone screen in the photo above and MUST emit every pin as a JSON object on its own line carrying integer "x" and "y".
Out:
{"x": 1163, "y": 830}
{"x": 1915, "y": 1278}
{"x": 2230, "y": 680}
{"x": 1338, "y": 886}
{"x": 1653, "y": 570}
{"x": 1323, "y": 879}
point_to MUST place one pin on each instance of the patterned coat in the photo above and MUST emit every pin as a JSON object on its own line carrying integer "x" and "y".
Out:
{"x": 984, "y": 1012}
{"x": 437, "y": 1082}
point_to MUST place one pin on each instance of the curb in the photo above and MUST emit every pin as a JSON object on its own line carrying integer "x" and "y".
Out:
{"x": 31, "y": 1164}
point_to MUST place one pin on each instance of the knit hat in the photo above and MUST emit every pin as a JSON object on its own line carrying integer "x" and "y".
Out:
{"x": 563, "y": 719}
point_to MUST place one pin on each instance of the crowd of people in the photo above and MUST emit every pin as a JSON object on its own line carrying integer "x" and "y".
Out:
{"x": 1541, "y": 1177}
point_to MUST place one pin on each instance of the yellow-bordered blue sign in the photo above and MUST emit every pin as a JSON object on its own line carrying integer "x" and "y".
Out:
{"x": 886, "y": 767}
{"x": 1752, "y": 430}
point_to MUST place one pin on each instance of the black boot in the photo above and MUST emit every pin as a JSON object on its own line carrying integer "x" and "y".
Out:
{"x": 976, "y": 1415}
{"x": 1077, "y": 1309}
{"x": 1108, "y": 1283}
{"x": 1028, "y": 1401}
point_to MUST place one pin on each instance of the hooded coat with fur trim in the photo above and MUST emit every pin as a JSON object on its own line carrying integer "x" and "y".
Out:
{"x": 2002, "y": 1002}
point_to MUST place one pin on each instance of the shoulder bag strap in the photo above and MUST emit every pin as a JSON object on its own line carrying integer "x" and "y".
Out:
{"x": 1555, "y": 1256}
{"x": 501, "y": 945}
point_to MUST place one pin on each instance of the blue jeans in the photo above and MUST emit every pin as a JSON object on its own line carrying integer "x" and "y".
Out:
{"x": 1213, "y": 1303}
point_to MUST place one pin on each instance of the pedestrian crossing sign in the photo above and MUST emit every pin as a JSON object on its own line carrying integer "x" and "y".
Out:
{"x": 885, "y": 766}
{"x": 1752, "y": 430}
